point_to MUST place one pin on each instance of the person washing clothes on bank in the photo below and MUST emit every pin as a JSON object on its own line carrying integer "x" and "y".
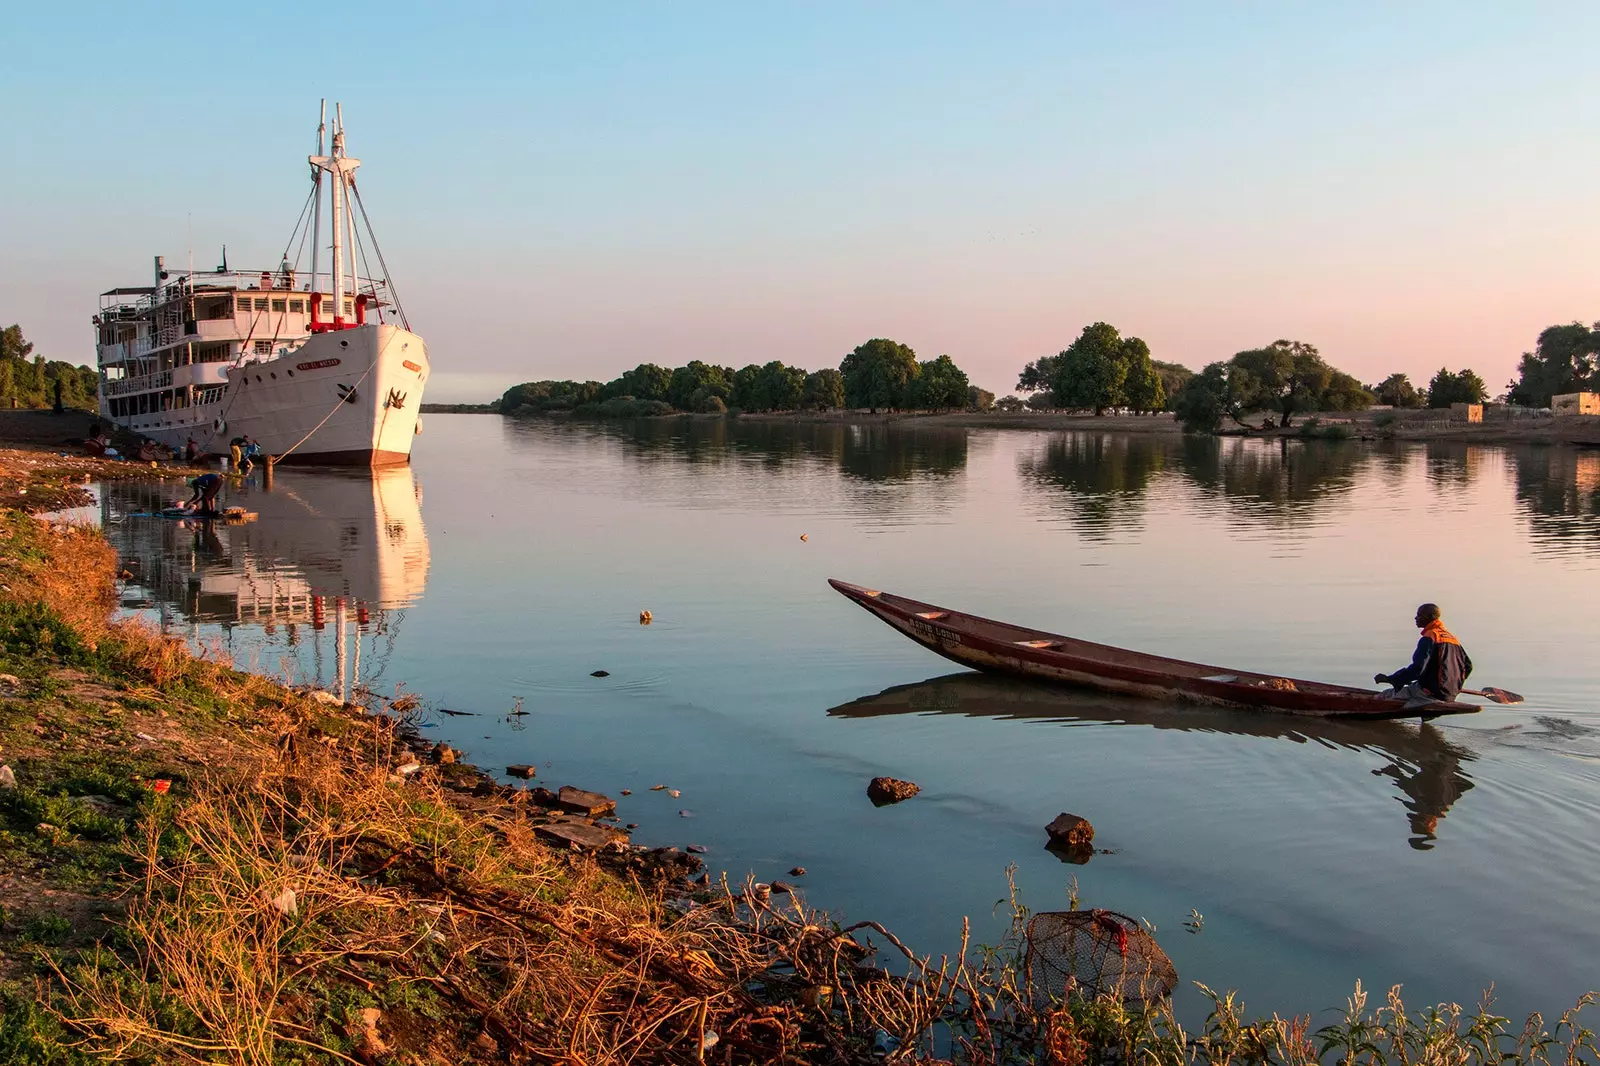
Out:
{"x": 1439, "y": 667}
{"x": 235, "y": 452}
{"x": 206, "y": 487}
{"x": 250, "y": 452}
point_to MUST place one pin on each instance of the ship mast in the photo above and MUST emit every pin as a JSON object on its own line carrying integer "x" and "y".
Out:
{"x": 341, "y": 167}
{"x": 316, "y": 203}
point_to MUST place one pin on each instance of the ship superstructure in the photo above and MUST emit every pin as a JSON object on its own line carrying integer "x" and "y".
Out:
{"x": 316, "y": 366}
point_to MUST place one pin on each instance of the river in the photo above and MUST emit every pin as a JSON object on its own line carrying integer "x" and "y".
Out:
{"x": 514, "y": 558}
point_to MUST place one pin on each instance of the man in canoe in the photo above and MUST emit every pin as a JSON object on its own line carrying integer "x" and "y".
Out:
{"x": 1439, "y": 667}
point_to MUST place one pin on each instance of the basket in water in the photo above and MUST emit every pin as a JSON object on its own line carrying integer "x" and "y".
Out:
{"x": 1096, "y": 953}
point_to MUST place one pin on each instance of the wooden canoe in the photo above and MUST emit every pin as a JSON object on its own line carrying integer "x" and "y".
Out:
{"x": 999, "y": 647}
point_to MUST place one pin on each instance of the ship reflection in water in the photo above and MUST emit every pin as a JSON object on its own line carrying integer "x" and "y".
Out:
{"x": 321, "y": 576}
{"x": 1427, "y": 768}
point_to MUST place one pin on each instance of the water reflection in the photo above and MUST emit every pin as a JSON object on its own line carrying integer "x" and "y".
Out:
{"x": 1101, "y": 478}
{"x": 322, "y": 544}
{"x": 1558, "y": 491}
{"x": 1423, "y": 765}
{"x": 1453, "y": 466}
{"x": 870, "y": 452}
{"x": 1272, "y": 481}
{"x": 886, "y": 473}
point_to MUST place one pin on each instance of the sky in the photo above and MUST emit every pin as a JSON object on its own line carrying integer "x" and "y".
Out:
{"x": 569, "y": 190}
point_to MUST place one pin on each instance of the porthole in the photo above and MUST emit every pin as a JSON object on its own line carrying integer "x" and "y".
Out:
{"x": 273, "y": 374}
{"x": 344, "y": 344}
{"x": 289, "y": 372}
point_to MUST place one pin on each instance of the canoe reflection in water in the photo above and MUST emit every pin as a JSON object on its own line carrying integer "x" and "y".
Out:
{"x": 1426, "y": 767}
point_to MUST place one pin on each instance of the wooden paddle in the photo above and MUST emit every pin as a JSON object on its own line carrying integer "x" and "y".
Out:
{"x": 1495, "y": 695}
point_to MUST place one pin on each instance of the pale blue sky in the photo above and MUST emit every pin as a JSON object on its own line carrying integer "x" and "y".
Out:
{"x": 564, "y": 191}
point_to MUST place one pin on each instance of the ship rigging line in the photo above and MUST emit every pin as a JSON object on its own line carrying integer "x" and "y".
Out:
{"x": 387, "y": 277}
{"x": 300, "y": 221}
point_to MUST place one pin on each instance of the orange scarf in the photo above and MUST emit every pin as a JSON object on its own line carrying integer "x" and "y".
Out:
{"x": 1436, "y": 632}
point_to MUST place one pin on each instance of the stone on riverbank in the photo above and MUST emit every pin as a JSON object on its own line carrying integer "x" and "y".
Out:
{"x": 577, "y": 833}
{"x": 584, "y": 802}
{"x": 885, "y": 790}
{"x": 522, "y": 770}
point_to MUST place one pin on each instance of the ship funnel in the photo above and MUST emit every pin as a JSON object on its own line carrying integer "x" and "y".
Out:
{"x": 161, "y": 270}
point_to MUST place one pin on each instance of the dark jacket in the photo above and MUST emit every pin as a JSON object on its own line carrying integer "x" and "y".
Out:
{"x": 1440, "y": 664}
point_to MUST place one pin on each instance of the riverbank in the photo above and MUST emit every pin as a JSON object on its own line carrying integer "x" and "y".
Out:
{"x": 200, "y": 865}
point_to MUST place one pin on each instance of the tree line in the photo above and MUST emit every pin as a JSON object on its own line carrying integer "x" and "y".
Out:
{"x": 1100, "y": 371}
{"x": 880, "y": 374}
{"x": 29, "y": 380}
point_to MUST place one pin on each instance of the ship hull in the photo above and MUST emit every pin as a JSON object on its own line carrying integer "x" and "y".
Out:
{"x": 343, "y": 398}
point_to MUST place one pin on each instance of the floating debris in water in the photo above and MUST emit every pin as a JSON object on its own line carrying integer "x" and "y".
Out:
{"x": 698, "y": 849}
{"x": 600, "y": 673}
{"x": 804, "y": 537}
{"x": 1195, "y": 922}
{"x": 674, "y": 793}
{"x": 645, "y": 618}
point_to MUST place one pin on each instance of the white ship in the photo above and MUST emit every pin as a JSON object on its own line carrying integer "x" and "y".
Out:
{"x": 316, "y": 369}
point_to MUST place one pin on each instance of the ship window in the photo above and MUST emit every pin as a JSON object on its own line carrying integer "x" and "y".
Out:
{"x": 263, "y": 347}
{"x": 297, "y": 306}
{"x": 261, "y": 303}
{"x": 244, "y": 303}
{"x": 347, "y": 308}
{"x": 279, "y": 305}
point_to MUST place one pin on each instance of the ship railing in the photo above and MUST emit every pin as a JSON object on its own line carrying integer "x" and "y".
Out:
{"x": 116, "y": 303}
{"x": 142, "y": 383}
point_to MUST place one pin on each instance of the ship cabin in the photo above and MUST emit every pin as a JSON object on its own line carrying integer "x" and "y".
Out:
{"x": 164, "y": 350}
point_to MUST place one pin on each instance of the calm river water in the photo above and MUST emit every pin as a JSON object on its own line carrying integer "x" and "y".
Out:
{"x": 514, "y": 558}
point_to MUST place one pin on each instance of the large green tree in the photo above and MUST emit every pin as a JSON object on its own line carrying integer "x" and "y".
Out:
{"x": 1462, "y": 386}
{"x": 823, "y": 391}
{"x": 1344, "y": 393}
{"x": 1173, "y": 378}
{"x": 877, "y": 374}
{"x": 939, "y": 386}
{"x": 1284, "y": 377}
{"x": 1093, "y": 371}
{"x": 1143, "y": 387}
{"x": 691, "y": 385}
{"x": 1566, "y": 359}
{"x": 1038, "y": 375}
{"x": 1396, "y": 390}
{"x": 1207, "y": 398}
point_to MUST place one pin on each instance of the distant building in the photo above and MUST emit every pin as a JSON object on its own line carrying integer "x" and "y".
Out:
{"x": 1576, "y": 403}
{"x": 1470, "y": 412}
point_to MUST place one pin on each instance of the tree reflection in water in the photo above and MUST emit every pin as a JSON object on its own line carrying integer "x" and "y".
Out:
{"x": 1101, "y": 478}
{"x": 1558, "y": 491}
{"x": 1428, "y": 769}
{"x": 1272, "y": 480}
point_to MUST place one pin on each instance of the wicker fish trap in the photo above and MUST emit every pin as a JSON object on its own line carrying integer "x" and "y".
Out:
{"x": 1096, "y": 953}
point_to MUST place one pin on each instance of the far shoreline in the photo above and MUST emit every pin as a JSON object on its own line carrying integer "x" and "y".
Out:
{"x": 1371, "y": 425}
